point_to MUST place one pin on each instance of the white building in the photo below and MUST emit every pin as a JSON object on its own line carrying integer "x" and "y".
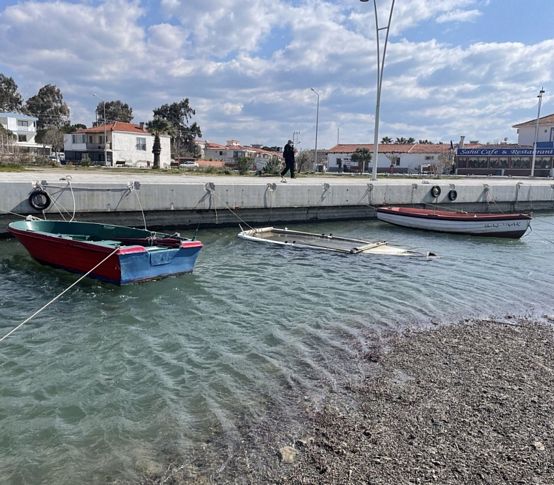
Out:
{"x": 398, "y": 158}
{"x": 232, "y": 151}
{"x": 526, "y": 131}
{"x": 127, "y": 145}
{"x": 24, "y": 129}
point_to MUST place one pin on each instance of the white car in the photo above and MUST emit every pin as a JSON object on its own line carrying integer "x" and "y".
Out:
{"x": 188, "y": 164}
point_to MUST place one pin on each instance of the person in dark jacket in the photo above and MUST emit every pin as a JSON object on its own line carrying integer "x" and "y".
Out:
{"x": 288, "y": 155}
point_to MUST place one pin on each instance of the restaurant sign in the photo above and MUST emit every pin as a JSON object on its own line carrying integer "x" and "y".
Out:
{"x": 505, "y": 152}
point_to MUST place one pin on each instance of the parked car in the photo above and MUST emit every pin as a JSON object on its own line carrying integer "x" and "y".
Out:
{"x": 188, "y": 164}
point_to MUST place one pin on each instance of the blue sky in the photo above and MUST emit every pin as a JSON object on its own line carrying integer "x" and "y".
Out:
{"x": 454, "y": 67}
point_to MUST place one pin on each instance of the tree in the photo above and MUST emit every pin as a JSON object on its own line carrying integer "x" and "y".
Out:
{"x": 386, "y": 140}
{"x": 54, "y": 137}
{"x": 73, "y": 128}
{"x": 158, "y": 126}
{"x": 10, "y": 99}
{"x": 178, "y": 115}
{"x": 50, "y": 109}
{"x": 425, "y": 142}
{"x": 405, "y": 141}
{"x": 115, "y": 111}
{"x": 362, "y": 156}
{"x": 244, "y": 164}
{"x": 273, "y": 166}
{"x": 303, "y": 161}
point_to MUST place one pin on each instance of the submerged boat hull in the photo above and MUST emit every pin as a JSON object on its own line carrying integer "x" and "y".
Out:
{"x": 74, "y": 246}
{"x": 471, "y": 223}
{"x": 325, "y": 242}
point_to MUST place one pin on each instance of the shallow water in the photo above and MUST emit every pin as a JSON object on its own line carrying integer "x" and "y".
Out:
{"x": 109, "y": 382}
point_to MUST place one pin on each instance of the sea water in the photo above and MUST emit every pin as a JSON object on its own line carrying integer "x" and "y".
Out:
{"x": 108, "y": 381}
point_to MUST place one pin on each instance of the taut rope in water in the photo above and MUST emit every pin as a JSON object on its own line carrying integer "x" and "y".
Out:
{"x": 59, "y": 295}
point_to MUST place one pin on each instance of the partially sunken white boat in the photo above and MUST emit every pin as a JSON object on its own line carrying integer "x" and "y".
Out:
{"x": 326, "y": 242}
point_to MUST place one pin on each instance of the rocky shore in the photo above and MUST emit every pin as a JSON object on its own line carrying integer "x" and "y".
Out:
{"x": 468, "y": 403}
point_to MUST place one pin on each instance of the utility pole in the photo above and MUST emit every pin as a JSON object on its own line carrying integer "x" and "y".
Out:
{"x": 541, "y": 92}
{"x": 380, "y": 69}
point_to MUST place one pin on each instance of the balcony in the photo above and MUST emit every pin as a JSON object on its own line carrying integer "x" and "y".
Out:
{"x": 98, "y": 146}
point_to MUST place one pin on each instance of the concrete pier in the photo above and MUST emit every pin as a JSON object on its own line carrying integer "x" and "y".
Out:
{"x": 190, "y": 200}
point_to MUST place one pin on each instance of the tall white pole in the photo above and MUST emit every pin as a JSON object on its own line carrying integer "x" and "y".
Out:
{"x": 541, "y": 92}
{"x": 380, "y": 69}
{"x": 105, "y": 136}
{"x": 316, "y": 126}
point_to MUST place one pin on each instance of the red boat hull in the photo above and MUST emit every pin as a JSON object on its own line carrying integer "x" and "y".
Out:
{"x": 124, "y": 264}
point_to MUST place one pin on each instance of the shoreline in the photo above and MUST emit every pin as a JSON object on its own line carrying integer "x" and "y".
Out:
{"x": 464, "y": 403}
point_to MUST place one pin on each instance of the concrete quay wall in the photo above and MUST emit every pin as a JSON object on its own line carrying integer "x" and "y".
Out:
{"x": 190, "y": 201}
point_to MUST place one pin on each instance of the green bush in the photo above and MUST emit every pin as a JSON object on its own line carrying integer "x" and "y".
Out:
{"x": 244, "y": 164}
{"x": 273, "y": 167}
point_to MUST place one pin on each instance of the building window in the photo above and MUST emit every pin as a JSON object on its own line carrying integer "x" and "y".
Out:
{"x": 429, "y": 157}
{"x": 22, "y": 123}
{"x": 21, "y": 137}
{"x": 78, "y": 139}
{"x": 141, "y": 144}
{"x": 90, "y": 139}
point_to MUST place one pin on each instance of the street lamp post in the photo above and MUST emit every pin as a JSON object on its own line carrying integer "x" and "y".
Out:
{"x": 541, "y": 92}
{"x": 105, "y": 131}
{"x": 380, "y": 68}
{"x": 316, "y": 126}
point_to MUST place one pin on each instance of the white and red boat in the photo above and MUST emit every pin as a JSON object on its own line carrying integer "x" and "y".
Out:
{"x": 511, "y": 225}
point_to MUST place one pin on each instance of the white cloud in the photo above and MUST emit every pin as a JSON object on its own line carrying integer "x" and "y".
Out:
{"x": 244, "y": 65}
{"x": 458, "y": 16}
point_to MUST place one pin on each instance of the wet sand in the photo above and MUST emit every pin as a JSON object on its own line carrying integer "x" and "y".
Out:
{"x": 468, "y": 403}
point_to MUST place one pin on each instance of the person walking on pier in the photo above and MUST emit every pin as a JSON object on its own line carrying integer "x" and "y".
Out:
{"x": 288, "y": 155}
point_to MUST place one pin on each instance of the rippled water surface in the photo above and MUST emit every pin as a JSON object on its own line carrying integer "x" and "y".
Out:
{"x": 107, "y": 382}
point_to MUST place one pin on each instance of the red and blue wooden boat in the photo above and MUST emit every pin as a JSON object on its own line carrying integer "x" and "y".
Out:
{"x": 133, "y": 255}
{"x": 509, "y": 225}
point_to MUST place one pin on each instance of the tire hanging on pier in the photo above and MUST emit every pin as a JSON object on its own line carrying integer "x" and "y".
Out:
{"x": 452, "y": 195}
{"x": 39, "y": 200}
{"x": 435, "y": 191}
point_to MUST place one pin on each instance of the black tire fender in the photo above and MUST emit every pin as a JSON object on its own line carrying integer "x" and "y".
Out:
{"x": 435, "y": 191}
{"x": 452, "y": 195}
{"x": 39, "y": 200}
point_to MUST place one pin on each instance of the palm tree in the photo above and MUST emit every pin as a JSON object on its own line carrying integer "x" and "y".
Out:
{"x": 386, "y": 140}
{"x": 158, "y": 126}
{"x": 362, "y": 156}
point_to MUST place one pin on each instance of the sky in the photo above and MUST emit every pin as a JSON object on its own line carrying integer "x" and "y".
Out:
{"x": 248, "y": 67}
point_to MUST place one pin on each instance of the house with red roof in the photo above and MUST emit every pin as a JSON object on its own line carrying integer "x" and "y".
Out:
{"x": 116, "y": 144}
{"x": 393, "y": 157}
{"x": 233, "y": 151}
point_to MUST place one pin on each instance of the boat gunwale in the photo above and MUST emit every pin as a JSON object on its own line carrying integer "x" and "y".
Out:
{"x": 442, "y": 215}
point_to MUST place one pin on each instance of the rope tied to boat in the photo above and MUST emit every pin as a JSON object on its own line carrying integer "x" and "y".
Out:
{"x": 232, "y": 211}
{"x": 134, "y": 186}
{"x": 60, "y": 294}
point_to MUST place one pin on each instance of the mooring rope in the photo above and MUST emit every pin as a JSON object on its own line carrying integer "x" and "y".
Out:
{"x": 59, "y": 295}
{"x": 233, "y": 212}
{"x": 14, "y": 213}
{"x": 132, "y": 186}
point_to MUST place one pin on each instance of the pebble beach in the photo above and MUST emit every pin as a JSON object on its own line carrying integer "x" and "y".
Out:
{"x": 465, "y": 403}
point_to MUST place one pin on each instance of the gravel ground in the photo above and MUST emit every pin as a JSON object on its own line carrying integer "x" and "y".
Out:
{"x": 471, "y": 403}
